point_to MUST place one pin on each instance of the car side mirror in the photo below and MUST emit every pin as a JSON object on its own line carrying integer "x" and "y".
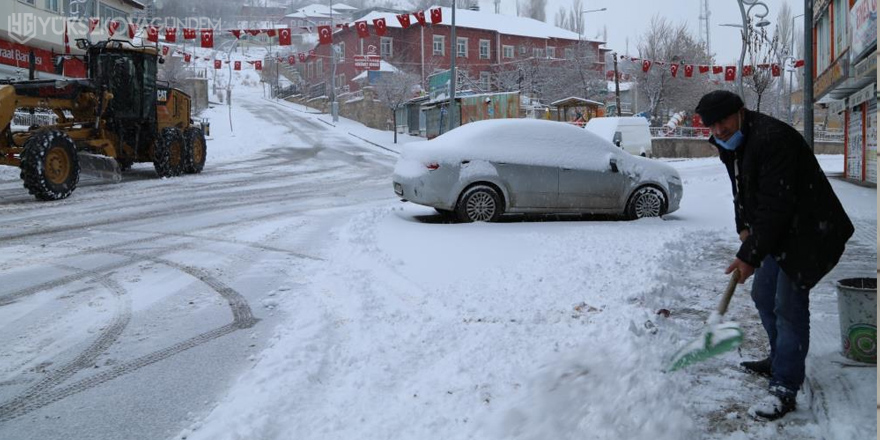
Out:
{"x": 613, "y": 164}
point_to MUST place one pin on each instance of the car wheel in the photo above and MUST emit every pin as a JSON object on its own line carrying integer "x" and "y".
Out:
{"x": 647, "y": 201}
{"x": 479, "y": 204}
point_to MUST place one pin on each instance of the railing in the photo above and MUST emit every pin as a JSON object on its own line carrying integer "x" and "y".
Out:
{"x": 703, "y": 133}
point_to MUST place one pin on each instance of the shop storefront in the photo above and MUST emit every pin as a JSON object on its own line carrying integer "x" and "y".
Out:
{"x": 15, "y": 62}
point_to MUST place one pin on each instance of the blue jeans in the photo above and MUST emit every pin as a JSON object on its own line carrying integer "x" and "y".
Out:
{"x": 785, "y": 314}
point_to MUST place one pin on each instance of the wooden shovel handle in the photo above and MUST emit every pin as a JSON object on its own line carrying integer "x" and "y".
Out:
{"x": 728, "y": 293}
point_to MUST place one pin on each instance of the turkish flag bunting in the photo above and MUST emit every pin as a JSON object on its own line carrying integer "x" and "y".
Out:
{"x": 66, "y": 40}
{"x": 302, "y": 57}
{"x": 271, "y": 33}
{"x": 311, "y": 52}
{"x": 717, "y": 69}
{"x": 730, "y": 73}
{"x": 403, "y": 19}
{"x": 420, "y": 17}
{"x": 646, "y": 65}
{"x": 325, "y": 35}
{"x": 436, "y": 15}
{"x": 747, "y": 70}
{"x": 170, "y": 35}
{"x": 291, "y": 60}
{"x": 207, "y": 38}
{"x": 112, "y": 26}
{"x": 689, "y": 70}
{"x": 236, "y": 33}
{"x": 674, "y": 69}
{"x": 93, "y": 23}
{"x": 187, "y": 57}
{"x": 775, "y": 70}
{"x": 218, "y": 64}
{"x": 165, "y": 50}
{"x": 254, "y": 32}
{"x": 362, "y": 30}
{"x": 153, "y": 34}
{"x": 189, "y": 34}
{"x": 132, "y": 30}
{"x": 380, "y": 26}
{"x": 284, "y": 37}
{"x": 704, "y": 69}
{"x": 798, "y": 63}
{"x": 237, "y": 65}
{"x": 258, "y": 65}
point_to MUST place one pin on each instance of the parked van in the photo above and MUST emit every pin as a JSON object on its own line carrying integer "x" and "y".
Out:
{"x": 628, "y": 132}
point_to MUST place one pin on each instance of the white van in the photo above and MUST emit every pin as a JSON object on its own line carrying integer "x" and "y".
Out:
{"x": 628, "y": 132}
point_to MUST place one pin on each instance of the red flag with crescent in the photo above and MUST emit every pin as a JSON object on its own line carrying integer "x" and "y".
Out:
{"x": 302, "y": 57}
{"x": 689, "y": 70}
{"x": 165, "y": 50}
{"x": 284, "y": 37}
{"x": 152, "y": 34}
{"x": 717, "y": 69}
{"x": 207, "y": 38}
{"x": 403, "y": 19}
{"x": 436, "y": 16}
{"x": 170, "y": 35}
{"x": 704, "y": 69}
{"x": 237, "y": 65}
{"x": 189, "y": 34}
{"x": 218, "y": 64}
{"x": 674, "y": 69}
{"x": 775, "y": 70}
{"x": 132, "y": 30}
{"x": 112, "y": 26}
{"x": 258, "y": 65}
{"x": 730, "y": 73}
{"x": 646, "y": 65}
{"x": 420, "y": 17}
{"x": 291, "y": 60}
{"x": 747, "y": 70}
{"x": 187, "y": 57}
{"x": 325, "y": 35}
{"x": 271, "y": 33}
{"x": 381, "y": 27}
{"x": 362, "y": 30}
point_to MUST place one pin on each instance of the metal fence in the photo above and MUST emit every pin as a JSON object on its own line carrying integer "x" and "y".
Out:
{"x": 39, "y": 118}
{"x": 703, "y": 133}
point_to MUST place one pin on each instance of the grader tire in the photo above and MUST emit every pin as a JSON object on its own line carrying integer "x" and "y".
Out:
{"x": 169, "y": 153}
{"x": 49, "y": 165}
{"x": 196, "y": 150}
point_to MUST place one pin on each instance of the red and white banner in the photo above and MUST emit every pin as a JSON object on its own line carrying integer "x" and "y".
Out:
{"x": 207, "y": 38}
{"x": 112, "y": 27}
{"x": 367, "y": 62}
{"x": 362, "y": 30}
{"x": 218, "y": 64}
{"x": 381, "y": 28}
{"x": 236, "y": 65}
{"x": 325, "y": 35}
{"x": 152, "y": 34}
{"x": 436, "y": 16}
{"x": 404, "y": 20}
{"x": 189, "y": 34}
{"x": 284, "y": 37}
{"x": 420, "y": 17}
{"x": 170, "y": 35}
{"x": 730, "y": 73}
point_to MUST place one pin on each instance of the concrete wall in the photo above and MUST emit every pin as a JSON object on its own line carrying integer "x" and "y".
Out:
{"x": 683, "y": 147}
{"x": 366, "y": 110}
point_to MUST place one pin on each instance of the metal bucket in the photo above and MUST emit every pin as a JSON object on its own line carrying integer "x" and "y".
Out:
{"x": 857, "y": 305}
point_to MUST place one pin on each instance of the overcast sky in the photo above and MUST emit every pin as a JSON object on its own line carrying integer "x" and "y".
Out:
{"x": 630, "y": 18}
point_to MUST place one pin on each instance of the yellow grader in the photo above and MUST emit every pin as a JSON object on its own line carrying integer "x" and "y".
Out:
{"x": 118, "y": 116}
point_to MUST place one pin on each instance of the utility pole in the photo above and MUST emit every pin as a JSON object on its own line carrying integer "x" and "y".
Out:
{"x": 705, "y": 13}
{"x": 334, "y": 106}
{"x": 616, "y": 84}
{"x": 808, "y": 72}
{"x": 452, "y": 75}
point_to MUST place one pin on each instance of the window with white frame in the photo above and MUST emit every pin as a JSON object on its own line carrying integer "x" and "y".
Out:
{"x": 538, "y": 52}
{"x": 551, "y": 52}
{"x": 386, "y": 47}
{"x": 340, "y": 54}
{"x": 823, "y": 44}
{"x": 461, "y": 47}
{"x": 508, "y": 51}
{"x": 841, "y": 11}
{"x": 484, "y": 49}
{"x": 439, "y": 45}
{"x": 52, "y": 5}
{"x": 569, "y": 53}
{"x": 486, "y": 81}
{"x": 319, "y": 67}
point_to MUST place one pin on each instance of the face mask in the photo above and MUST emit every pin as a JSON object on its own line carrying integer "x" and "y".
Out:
{"x": 731, "y": 144}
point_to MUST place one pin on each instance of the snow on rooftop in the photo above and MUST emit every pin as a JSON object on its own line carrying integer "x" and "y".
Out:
{"x": 343, "y": 7}
{"x": 504, "y": 24}
{"x": 302, "y": 14}
{"x": 624, "y": 86}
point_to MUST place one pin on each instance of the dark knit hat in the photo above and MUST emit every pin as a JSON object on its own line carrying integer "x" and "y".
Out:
{"x": 717, "y": 105}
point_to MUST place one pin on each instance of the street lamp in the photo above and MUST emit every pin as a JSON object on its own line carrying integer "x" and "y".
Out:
{"x": 583, "y": 23}
{"x": 746, "y": 20}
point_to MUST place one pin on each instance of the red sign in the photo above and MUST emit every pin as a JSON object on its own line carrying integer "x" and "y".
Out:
{"x": 367, "y": 62}
{"x": 14, "y": 54}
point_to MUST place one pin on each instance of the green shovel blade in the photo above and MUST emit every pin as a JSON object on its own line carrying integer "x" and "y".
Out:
{"x": 716, "y": 340}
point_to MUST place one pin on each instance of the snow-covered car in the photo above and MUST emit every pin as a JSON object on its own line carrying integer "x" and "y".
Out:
{"x": 484, "y": 169}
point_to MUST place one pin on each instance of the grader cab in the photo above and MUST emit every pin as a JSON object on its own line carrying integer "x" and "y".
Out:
{"x": 120, "y": 115}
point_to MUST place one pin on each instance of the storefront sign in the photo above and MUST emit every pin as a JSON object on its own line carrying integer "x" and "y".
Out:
{"x": 867, "y": 68}
{"x": 837, "y": 73}
{"x": 863, "y": 95}
{"x": 18, "y": 55}
{"x": 367, "y": 62}
{"x": 863, "y": 19}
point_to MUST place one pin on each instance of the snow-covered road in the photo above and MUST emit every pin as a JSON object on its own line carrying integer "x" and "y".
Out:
{"x": 285, "y": 293}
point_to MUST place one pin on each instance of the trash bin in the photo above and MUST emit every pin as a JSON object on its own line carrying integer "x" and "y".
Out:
{"x": 857, "y": 305}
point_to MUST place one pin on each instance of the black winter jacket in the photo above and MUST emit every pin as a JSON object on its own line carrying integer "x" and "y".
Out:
{"x": 785, "y": 201}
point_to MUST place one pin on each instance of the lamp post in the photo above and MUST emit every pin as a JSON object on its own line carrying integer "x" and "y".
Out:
{"x": 746, "y": 20}
{"x": 583, "y": 29}
{"x": 334, "y": 106}
{"x": 453, "y": 52}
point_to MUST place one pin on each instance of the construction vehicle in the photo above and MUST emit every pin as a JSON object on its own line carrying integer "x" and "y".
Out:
{"x": 118, "y": 116}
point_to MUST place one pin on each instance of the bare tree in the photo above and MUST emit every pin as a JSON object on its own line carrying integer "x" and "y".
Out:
{"x": 394, "y": 89}
{"x": 533, "y": 9}
{"x": 561, "y": 19}
{"x": 762, "y": 52}
{"x": 664, "y": 44}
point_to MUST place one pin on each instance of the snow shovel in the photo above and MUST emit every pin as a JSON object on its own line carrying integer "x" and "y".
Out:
{"x": 718, "y": 337}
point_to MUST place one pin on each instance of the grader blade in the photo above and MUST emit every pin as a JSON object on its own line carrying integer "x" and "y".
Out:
{"x": 102, "y": 167}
